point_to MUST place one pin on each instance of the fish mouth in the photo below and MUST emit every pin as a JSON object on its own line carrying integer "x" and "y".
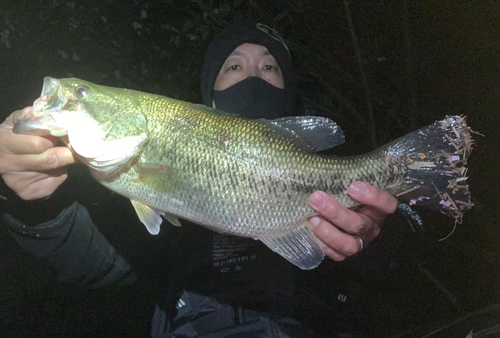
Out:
{"x": 33, "y": 125}
{"x": 49, "y": 84}
{"x": 41, "y": 120}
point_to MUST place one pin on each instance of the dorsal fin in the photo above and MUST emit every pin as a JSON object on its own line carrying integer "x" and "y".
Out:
{"x": 310, "y": 133}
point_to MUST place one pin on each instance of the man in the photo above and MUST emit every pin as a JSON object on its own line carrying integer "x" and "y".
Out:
{"x": 247, "y": 71}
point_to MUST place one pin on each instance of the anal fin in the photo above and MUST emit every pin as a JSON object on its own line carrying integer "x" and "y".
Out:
{"x": 298, "y": 246}
{"x": 174, "y": 220}
{"x": 149, "y": 217}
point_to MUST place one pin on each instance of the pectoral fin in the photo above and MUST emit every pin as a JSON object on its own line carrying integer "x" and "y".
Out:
{"x": 157, "y": 177}
{"x": 299, "y": 246}
{"x": 150, "y": 217}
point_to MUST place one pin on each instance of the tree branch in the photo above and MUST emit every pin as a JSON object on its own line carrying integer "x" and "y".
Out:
{"x": 366, "y": 86}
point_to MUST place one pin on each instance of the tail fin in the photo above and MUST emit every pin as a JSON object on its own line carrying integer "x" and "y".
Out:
{"x": 433, "y": 161}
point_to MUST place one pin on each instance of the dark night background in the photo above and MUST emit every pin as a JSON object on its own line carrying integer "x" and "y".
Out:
{"x": 378, "y": 68}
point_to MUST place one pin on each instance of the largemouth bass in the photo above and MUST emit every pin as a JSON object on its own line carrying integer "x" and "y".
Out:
{"x": 237, "y": 176}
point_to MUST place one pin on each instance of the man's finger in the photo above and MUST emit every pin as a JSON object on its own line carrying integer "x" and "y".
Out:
{"x": 336, "y": 256}
{"x": 25, "y": 144}
{"x": 333, "y": 238}
{"x": 35, "y": 185}
{"x": 336, "y": 213}
{"x": 16, "y": 116}
{"x": 51, "y": 159}
{"x": 369, "y": 195}
{"x": 44, "y": 187}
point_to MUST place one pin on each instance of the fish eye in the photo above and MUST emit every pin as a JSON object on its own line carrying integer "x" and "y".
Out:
{"x": 82, "y": 91}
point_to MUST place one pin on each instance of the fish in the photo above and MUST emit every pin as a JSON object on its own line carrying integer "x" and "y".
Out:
{"x": 237, "y": 176}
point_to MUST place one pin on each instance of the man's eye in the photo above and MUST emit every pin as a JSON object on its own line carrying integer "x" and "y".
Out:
{"x": 234, "y": 67}
{"x": 269, "y": 67}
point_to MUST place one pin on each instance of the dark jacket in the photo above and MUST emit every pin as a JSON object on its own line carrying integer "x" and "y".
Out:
{"x": 226, "y": 281}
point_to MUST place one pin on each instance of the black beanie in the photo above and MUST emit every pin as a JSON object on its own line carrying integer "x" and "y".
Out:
{"x": 239, "y": 32}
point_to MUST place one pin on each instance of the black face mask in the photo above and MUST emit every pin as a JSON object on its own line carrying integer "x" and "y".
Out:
{"x": 254, "y": 98}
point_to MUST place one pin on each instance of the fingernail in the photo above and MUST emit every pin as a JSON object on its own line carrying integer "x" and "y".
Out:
{"x": 317, "y": 201}
{"x": 314, "y": 222}
{"x": 357, "y": 189}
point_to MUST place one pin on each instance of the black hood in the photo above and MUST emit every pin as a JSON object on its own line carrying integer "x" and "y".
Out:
{"x": 239, "y": 32}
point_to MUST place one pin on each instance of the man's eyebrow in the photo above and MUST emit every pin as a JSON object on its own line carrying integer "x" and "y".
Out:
{"x": 238, "y": 53}
{"x": 235, "y": 53}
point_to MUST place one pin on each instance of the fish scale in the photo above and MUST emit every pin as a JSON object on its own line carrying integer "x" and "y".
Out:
{"x": 243, "y": 177}
{"x": 252, "y": 184}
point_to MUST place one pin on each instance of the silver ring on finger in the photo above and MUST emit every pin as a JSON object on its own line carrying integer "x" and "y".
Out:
{"x": 361, "y": 244}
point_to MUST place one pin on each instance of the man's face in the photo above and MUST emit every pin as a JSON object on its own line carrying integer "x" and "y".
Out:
{"x": 249, "y": 60}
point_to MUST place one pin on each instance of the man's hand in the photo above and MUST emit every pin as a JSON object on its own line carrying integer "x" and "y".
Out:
{"x": 343, "y": 232}
{"x": 32, "y": 166}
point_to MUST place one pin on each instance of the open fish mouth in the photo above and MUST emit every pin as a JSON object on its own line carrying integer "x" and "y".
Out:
{"x": 41, "y": 120}
{"x": 49, "y": 84}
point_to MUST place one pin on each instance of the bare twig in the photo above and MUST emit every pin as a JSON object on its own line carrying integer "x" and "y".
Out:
{"x": 434, "y": 281}
{"x": 410, "y": 73}
{"x": 348, "y": 104}
{"x": 366, "y": 86}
